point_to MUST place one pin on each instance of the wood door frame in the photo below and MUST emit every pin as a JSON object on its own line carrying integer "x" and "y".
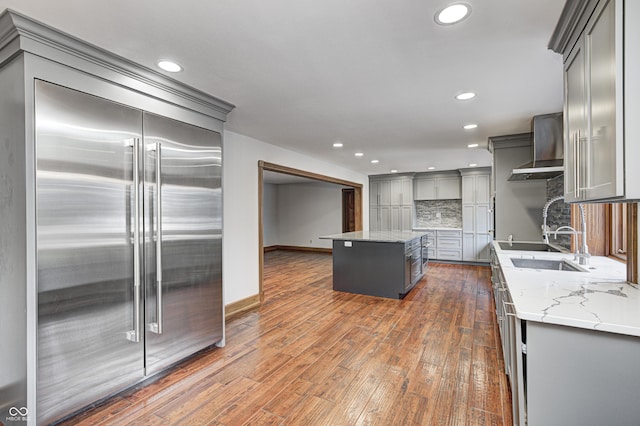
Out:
{"x": 272, "y": 167}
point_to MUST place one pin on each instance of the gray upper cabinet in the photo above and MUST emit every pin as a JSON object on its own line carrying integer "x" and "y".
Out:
{"x": 449, "y": 188}
{"x": 600, "y": 41}
{"x": 379, "y": 193}
{"x": 476, "y": 189}
{"x": 426, "y": 189}
{"x": 437, "y": 187}
{"x": 391, "y": 203}
{"x": 575, "y": 119}
{"x": 401, "y": 192}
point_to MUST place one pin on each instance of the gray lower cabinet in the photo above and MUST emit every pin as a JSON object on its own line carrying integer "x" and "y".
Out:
{"x": 581, "y": 377}
{"x": 476, "y": 220}
{"x": 445, "y": 244}
{"x": 377, "y": 268}
{"x": 477, "y": 214}
{"x": 561, "y": 375}
{"x": 380, "y": 218}
{"x": 401, "y": 218}
{"x": 511, "y": 340}
{"x": 449, "y": 244}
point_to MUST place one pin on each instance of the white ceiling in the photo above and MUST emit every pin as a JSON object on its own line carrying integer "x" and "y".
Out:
{"x": 378, "y": 75}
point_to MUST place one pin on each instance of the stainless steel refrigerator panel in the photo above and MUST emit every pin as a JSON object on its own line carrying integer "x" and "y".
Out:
{"x": 85, "y": 252}
{"x": 183, "y": 240}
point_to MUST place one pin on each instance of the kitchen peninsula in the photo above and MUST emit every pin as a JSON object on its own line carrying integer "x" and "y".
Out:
{"x": 565, "y": 331}
{"x": 377, "y": 263}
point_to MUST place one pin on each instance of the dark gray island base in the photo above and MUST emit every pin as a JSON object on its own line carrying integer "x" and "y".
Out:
{"x": 377, "y": 263}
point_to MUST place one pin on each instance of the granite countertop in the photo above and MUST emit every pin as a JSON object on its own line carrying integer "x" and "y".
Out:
{"x": 599, "y": 299}
{"x": 376, "y": 236}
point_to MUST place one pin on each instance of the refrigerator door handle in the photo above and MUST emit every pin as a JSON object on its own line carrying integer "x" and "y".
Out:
{"x": 134, "y": 335}
{"x": 156, "y": 327}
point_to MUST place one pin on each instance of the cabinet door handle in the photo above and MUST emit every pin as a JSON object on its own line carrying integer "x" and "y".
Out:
{"x": 586, "y": 153}
{"x": 575, "y": 165}
{"x": 574, "y": 158}
{"x": 578, "y": 165}
{"x": 508, "y": 312}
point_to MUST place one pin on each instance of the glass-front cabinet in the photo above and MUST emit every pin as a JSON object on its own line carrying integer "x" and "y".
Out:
{"x": 601, "y": 99}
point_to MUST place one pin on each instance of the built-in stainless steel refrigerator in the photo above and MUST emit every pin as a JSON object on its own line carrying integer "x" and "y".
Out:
{"x": 129, "y": 242}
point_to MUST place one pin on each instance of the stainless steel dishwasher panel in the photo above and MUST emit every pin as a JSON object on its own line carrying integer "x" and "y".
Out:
{"x": 183, "y": 244}
{"x": 85, "y": 249}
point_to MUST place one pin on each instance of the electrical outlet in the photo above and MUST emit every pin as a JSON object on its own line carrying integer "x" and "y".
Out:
{"x": 438, "y": 215}
{"x": 310, "y": 241}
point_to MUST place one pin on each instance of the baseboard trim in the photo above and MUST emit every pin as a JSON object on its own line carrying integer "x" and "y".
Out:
{"x": 241, "y": 306}
{"x": 300, "y": 248}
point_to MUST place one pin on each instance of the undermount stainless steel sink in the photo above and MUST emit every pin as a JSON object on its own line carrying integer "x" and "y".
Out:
{"x": 505, "y": 245}
{"x": 551, "y": 265}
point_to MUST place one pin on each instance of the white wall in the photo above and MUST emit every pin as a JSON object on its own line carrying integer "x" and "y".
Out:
{"x": 240, "y": 173}
{"x": 270, "y": 214}
{"x": 307, "y": 211}
{"x": 518, "y": 204}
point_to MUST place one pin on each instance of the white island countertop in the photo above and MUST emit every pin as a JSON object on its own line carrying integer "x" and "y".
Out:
{"x": 376, "y": 236}
{"x": 599, "y": 299}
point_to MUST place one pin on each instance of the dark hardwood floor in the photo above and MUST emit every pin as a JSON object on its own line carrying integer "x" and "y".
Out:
{"x": 312, "y": 356}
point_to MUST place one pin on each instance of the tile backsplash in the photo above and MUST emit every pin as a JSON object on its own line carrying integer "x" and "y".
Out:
{"x": 450, "y": 214}
{"x": 559, "y": 213}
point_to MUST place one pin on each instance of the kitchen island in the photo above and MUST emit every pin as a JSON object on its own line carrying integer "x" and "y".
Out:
{"x": 377, "y": 263}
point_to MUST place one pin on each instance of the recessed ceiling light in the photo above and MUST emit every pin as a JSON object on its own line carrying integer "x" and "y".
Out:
{"x": 453, "y": 13}
{"x": 359, "y": 154}
{"x": 465, "y": 96}
{"x": 169, "y": 66}
{"x": 394, "y": 171}
{"x": 472, "y": 165}
{"x": 473, "y": 145}
{"x": 470, "y": 126}
{"x": 375, "y": 161}
{"x": 338, "y": 145}
{"x": 431, "y": 168}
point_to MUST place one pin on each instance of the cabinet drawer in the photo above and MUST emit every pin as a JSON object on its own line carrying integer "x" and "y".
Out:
{"x": 446, "y": 233}
{"x": 449, "y": 243}
{"x": 446, "y": 254}
{"x": 431, "y": 234}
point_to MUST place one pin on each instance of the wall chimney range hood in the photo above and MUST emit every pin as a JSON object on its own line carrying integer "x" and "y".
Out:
{"x": 547, "y": 150}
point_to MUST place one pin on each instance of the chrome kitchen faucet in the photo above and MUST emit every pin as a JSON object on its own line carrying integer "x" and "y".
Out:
{"x": 582, "y": 251}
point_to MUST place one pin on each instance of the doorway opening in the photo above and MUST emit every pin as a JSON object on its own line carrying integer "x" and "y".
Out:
{"x": 354, "y": 206}
{"x": 348, "y": 209}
